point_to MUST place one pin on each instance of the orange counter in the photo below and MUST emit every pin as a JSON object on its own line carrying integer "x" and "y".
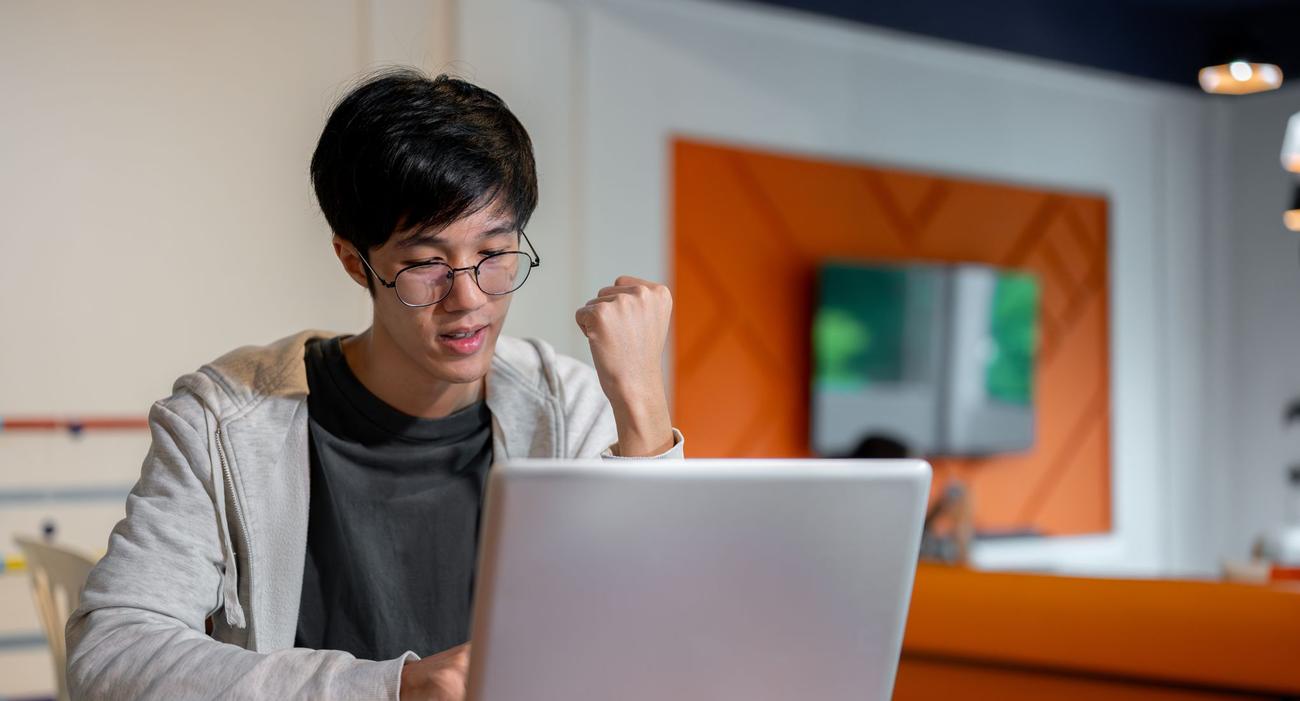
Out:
{"x": 1020, "y": 636}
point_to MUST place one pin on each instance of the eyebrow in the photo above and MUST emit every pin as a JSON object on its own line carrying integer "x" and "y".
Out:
{"x": 426, "y": 238}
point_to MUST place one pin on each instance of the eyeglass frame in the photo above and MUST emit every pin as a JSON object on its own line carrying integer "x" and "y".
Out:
{"x": 534, "y": 261}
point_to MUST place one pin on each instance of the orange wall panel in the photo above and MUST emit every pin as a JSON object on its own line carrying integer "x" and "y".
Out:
{"x": 749, "y": 230}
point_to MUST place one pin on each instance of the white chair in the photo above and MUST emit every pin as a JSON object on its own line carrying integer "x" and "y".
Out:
{"x": 58, "y": 573}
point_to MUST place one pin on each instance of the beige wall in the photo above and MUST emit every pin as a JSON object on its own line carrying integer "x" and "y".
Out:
{"x": 155, "y": 212}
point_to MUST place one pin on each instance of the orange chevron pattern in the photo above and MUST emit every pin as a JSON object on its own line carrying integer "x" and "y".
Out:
{"x": 749, "y": 229}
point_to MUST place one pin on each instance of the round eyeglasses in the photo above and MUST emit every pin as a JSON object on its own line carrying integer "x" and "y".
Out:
{"x": 426, "y": 284}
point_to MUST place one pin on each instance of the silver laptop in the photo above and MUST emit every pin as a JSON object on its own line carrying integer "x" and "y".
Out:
{"x": 695, "y": 580}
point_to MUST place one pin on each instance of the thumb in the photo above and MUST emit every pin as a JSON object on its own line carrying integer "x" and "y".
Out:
{"x": 583, "y": 317}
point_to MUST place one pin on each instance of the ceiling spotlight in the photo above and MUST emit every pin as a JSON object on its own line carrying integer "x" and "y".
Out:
{"x": 1240, "y": 78}
{"x": 1291, "y": 144}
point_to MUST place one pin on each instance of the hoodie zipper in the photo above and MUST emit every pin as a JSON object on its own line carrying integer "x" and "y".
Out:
{"x": 236, "y": 618}
{"x": 230, "y": 481}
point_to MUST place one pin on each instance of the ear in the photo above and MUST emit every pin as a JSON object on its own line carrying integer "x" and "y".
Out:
{"x": 352, "y": 263}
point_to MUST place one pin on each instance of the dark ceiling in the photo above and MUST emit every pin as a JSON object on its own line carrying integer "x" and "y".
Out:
{"x": 1166, "y": 40}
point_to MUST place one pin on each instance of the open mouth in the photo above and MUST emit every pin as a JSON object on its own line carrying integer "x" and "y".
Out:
{"x": 464, "y": 342}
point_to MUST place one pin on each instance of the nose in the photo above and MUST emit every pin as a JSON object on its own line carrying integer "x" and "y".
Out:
{"x": 465, "y": 295}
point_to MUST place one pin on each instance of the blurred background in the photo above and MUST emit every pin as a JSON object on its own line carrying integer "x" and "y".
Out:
{"x": 1044, "y": 245}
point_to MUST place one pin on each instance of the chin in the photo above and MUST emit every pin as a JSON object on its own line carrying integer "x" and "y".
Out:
{"x": 463, "y": 370}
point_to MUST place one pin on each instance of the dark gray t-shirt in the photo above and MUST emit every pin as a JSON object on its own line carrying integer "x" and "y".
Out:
{"x": 393, "y": 524}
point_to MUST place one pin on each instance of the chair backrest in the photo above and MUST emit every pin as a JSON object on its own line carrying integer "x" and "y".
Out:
{"x": 57, "y": 574}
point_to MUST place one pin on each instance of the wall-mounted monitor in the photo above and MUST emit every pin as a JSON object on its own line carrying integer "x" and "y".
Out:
{"x": 937, "y": 357}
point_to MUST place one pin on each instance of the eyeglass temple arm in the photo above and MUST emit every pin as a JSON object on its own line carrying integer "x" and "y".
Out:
{"x": 537, "y": 260}
{"x": 381, "y": 280}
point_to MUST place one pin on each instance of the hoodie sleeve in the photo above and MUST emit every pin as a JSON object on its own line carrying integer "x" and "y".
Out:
{"x": 139, "y": 631}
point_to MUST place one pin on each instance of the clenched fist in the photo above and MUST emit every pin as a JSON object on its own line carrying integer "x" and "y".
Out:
{"x": 627, "y": 326}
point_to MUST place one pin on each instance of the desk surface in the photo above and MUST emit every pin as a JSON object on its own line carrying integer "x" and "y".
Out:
{"x": 1190, "y": 634}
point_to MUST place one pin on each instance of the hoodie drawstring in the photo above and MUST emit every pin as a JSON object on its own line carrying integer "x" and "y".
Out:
{"x": 230, "y": 578}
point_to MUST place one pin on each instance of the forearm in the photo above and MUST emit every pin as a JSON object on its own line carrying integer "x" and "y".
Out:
{"x": 642, "y": 420}
{"x": 127, "y": 653}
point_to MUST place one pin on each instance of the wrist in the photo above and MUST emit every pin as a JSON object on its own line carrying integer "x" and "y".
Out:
{"x": 643, "y": 423}
{"x": 408, "y": 686}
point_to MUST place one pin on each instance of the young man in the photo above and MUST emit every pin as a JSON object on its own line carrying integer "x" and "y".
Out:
{"x": 314, "y": 503}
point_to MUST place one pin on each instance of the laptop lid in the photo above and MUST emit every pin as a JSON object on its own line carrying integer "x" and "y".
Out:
{"x": 699, "y": 579}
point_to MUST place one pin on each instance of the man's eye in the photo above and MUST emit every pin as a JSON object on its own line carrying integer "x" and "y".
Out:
{"x": 492, "y": 253}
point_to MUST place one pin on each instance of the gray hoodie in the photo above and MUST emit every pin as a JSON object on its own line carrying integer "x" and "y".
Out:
{"x": 216, "y": 527}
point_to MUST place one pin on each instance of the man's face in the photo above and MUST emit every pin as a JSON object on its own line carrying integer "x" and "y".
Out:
{"x": 452, "y": 340}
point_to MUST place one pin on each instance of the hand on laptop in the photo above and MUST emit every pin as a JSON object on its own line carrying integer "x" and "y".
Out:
{"x": 440, "y": 677}
{"x": 627, "y": 325}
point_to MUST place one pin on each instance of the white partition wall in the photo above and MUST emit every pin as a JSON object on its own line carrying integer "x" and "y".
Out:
{"x": 627, "y": 75}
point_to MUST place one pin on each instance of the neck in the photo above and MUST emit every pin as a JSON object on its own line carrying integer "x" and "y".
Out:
{"x": 395, "y": 378}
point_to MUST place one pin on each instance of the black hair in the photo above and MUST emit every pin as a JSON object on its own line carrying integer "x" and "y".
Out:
{"x": 879, "y": 446}
{"x": 402, "y": 151}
